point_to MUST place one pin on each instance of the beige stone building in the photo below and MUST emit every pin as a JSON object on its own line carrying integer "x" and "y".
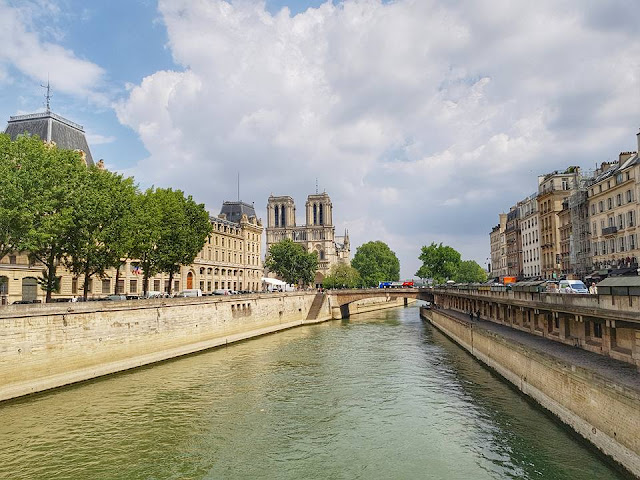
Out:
{"x": 230, "y": 260}
{"x": 613, "y": 207}
{"x": 498, "y": 241}
{"x": 530, "y": 231}
{"x": 553, "y": 189}
{"x": 316, "y": 235}
{"x": 513, "y": 236}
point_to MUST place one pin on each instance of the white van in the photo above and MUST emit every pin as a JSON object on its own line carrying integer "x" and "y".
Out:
{"x": 572, "y": 286}
{"x": 192, "y": 292}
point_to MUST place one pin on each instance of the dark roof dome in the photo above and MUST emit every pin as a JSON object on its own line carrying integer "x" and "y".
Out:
{"x": 235, "y": 210}
{"x": 51, "y": 128}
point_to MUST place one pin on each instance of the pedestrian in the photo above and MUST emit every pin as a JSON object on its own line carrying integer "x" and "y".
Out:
{"x": 478, "y": 314}
{"x": 471, "y": 314}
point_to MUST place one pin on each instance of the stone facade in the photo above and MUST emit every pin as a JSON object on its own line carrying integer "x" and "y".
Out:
{"x": 316, "y": 235}
{"x": 613, "y": 205}
{"x": 230, "y": 259}
{"x": 553, "y": 189}
{"x": 498, "y": 241}
{"x": 530, "y": 231}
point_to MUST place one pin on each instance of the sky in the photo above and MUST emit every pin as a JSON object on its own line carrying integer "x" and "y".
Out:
{"x": 422, "y": 119}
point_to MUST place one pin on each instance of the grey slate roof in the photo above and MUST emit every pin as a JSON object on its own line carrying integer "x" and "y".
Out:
{"x": 234, "y": 210}
{"x": 51, "y": 127}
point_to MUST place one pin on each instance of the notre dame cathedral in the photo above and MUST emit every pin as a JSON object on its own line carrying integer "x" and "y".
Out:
{"x": 317, "y": 235}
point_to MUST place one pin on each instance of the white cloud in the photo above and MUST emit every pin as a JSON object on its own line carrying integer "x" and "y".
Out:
{"x": 25, "y": 49}
{"x": 421, "y": 119}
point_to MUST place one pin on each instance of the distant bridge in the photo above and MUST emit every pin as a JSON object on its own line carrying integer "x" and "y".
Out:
{"x": 342, "y": 298}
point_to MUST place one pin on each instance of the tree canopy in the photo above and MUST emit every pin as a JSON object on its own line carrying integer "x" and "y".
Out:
{"x": 291, "y": 262}
{"x": 442, "y": 262}
{"x": 57, "y": 210}
{"x": 342, "y": 276}
{"x": 376, "y": 262}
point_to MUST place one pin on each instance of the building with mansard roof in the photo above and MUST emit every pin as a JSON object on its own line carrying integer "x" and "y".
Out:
{"x": 51, "y": 128}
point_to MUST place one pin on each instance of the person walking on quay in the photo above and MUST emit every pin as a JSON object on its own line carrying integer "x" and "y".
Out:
{"x": 471, "y": 315}
{"x": 478, "y": 314}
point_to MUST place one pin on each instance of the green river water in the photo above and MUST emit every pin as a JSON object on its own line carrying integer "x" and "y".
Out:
{"x": 379, "y": 396}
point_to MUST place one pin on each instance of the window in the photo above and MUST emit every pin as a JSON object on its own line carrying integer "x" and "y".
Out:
{"x": 597, "y": 330}
{"x": 612, "y": 246}
{"x": 599, "y": 188}
{"x": 156, "y": 285}
{"x": 632, "y": 242}
{"x": 12, "y": 259}
{"x": 120, "y": 286}
{"x": 594, "y": 232}
{"x": 74, "y": 286}
{"x": 106, "y": 285}
{"x": 620, "y": 222}
{"x": 593, "y": 209}
{"x": 133, "y": 286}
{"x": 600, "y": 206}
{"x": 618, "y": 199}
{"x": 629, "y": 196}
{"x": 176, "y": 285}
{"x": 609, "y": 203}
{"x": 619, "y": 178}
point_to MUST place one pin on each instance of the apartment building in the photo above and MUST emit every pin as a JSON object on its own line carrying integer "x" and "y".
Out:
{"x": 613, "y": 207}
{"x": 498, "y": 242}
{"x": 530, "y": 233}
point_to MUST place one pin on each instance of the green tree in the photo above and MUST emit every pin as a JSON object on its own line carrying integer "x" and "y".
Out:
{"x": 14, "y": 212}
{"x": 185, "y": 228}
{"x": 99, "y": 236}
{"x": 470, "y": 272}
{"x": 376, "y": 262}
{"x": 439, "y": 262}
{"x": 291, "y": 262}
{"x": 146, "y": 234}
{"x": 342, "y": 276}
{"x": 49, "y": 181}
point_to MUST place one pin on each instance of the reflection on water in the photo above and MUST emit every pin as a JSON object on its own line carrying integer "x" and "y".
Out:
{"x": 379, "y": 396}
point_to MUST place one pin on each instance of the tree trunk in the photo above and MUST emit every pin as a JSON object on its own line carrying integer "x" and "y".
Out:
{"x": 170, "y": 281}
{"x": 115, "y": 288}
{"x": 87, "y": 278}
{"x": 51, "y": 275}
{"x": 145, "y": 284}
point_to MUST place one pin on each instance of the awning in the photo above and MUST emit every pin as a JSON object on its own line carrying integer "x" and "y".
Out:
{"x": 273, "y": 281}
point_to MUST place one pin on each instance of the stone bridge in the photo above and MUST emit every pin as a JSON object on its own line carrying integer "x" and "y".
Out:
{"x": 340, "y": 299}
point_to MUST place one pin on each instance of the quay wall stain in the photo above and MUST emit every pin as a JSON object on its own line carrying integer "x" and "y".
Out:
{"x": 604, "y": 413}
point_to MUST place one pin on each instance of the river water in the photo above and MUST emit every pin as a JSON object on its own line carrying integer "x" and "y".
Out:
{"x": 379, "y": 396}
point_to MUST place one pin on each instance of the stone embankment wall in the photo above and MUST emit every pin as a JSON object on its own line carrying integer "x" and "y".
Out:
{"x": 605, "y": 413}
{"x": 47, "y": 346}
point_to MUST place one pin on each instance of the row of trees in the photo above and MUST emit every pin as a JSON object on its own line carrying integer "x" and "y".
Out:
{"x": 372, "y": 263}
{"x": 59, "y": 211}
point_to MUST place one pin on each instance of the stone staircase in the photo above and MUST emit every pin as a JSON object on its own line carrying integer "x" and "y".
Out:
{"x": 315, "y": 307}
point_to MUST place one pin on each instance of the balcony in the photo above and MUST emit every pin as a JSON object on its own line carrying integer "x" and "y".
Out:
{"x": 609, "y": 230}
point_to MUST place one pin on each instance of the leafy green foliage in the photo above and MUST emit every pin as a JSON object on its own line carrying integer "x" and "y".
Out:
{"x": 375, "y": 262}
{"x": 185, "y": 228}
{"x": 99, "y": 236}
{"x": 169, "y": 231}
{"x": 342, "y": 276}
{"x": 439, "y": 262}
{"x": 48, "y": 180}
{"x": 291, "y": 262}
{"x": 442, "y": 263}
{"x": 470, "y": 272}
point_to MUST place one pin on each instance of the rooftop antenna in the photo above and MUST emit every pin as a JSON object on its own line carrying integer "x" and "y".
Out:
{"x": 48, "y": 95}
{"x": 316, "y": 185}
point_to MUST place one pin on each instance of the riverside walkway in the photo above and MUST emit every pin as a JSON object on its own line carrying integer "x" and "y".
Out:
{"x": 608, "y": 369}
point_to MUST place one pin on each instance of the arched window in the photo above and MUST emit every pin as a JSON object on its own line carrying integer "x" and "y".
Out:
{"x": 315, "y": 214}
{"x": 321, "y": 254}
{"x": 321, "y": 222}
{"x": 282, "y": 219}
{"x": 4, "y": 286}
{"x": 277, "y": 213}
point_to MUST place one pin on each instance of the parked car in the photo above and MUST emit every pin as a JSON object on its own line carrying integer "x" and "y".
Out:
{"x": 222, "y": 291}
{"x": 116, "y": 298}
{"x": 192, "y": 292}
{"x": 572, "y": 286}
